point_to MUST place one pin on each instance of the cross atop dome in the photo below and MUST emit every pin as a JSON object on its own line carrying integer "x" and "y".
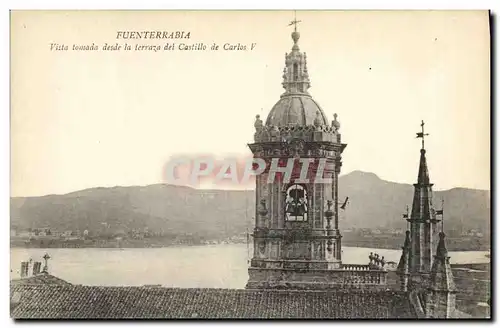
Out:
{"x": 295, "y": 34}
{"x": 295, "y": 21}
{"x": 296, "y": 106}
{"x": 295, "y": 75}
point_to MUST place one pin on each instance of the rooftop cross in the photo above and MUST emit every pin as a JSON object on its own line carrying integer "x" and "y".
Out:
{"x": 46, "y": 257}
{"x": 295, "y": 21}
{"x": 422, "y": 134}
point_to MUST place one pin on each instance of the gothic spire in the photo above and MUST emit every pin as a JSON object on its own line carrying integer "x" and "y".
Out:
{"x": 295, "y": 75}
{"x": 441, "y": 295}
{"x": 404, "y": 261}
{"x": 422, "y": 209}
{"x": 423, "y": 171}
{"x": 441, "y": 274}
{"x": 442, "y": 251}
{"x": 403, "y": 270}
{"x": 423, "y": 216}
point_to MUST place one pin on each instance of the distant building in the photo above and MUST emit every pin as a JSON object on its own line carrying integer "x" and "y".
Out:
{"x": 25, "y": 234}
{"x": 472, "y": 233}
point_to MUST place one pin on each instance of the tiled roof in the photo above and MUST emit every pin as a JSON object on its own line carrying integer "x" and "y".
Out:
{"x": 90, "y": 302}
{"x": 39, "y": 279}
{"x": 457, "y": 314}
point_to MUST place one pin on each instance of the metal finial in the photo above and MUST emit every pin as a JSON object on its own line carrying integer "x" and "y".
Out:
{"x": 441, "y": 212}
{"x": 442, "y": 215}
{"x": 407, "y": 217}
{"x": 422, "y": 134}
{"x": 295, "y": 21}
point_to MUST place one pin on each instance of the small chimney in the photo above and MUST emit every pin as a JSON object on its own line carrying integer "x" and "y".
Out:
{"x": 24, "y": 269}
{"x": 37, "y": 268}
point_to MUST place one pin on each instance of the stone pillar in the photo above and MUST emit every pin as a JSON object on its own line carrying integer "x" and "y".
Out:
{"x": 338, "y": 237}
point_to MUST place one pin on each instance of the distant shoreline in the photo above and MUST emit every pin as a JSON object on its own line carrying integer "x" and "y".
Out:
{"x": 125, "y": 245}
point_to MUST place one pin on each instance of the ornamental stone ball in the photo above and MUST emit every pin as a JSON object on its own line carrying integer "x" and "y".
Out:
{"x": 335, "y": 123}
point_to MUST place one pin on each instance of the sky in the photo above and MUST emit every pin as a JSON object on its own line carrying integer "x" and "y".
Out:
{"x": 83, "y": 119}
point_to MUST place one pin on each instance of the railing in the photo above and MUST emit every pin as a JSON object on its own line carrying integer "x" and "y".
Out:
{"x": 364, "y": 274}
{"x": 355, "y": 267}
{"x": 347, "y": 274}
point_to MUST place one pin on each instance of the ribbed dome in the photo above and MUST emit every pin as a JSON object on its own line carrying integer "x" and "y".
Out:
{"x": 295, "y": 110}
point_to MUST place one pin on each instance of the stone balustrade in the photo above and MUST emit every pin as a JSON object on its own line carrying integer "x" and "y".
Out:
{"x": 316, "y": 272}
{"x": 368, "y": 277}
{"x": 356, "y": 267}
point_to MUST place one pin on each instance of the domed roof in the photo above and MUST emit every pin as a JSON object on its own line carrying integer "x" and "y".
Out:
{"x": 296, "y": 109}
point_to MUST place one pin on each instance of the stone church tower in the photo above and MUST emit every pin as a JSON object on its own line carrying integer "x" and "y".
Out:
{"x": 441, "y": 293}
{"x": 421, "y": 240}
{"x": 424, "y": 268}
{"x": 297, "y": 242}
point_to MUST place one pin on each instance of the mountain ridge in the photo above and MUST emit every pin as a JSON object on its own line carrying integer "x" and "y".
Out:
{"x": 355, "y": 172}
{"x": 215, "y": 213}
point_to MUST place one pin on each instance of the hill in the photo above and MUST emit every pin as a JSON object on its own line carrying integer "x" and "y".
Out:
{"x": 219, "y": 214}
{"x": 378, "y": 203}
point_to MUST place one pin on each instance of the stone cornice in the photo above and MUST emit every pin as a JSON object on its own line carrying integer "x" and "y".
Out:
{"x": 321, "y": 149}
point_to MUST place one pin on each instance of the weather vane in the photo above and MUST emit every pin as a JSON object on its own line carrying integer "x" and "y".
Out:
{"x": 422, "y": 134}
{"x": 295, "y": 21}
